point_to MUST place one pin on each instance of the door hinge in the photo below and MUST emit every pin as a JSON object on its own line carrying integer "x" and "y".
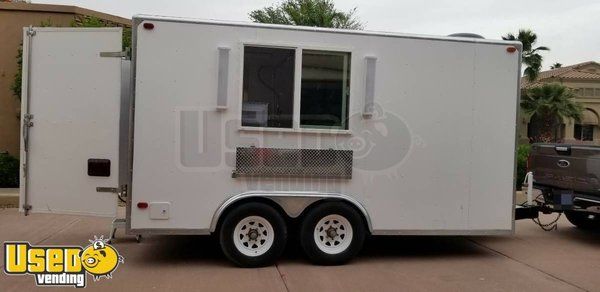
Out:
{"x": 30, "y": 31}
{"x": 27, "y": 120}
{"x": 107, "y": 190}
{"x": 114, "y": 54}
{"x": 121, "y": 191}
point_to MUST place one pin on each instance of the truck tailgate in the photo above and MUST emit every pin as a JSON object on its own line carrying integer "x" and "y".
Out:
{"x": 573, "y": 167}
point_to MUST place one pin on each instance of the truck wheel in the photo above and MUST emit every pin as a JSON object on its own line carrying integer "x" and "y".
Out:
{"x": 582, "y": 220}
{"x": 332, "y": 233}
{"x": 253, "y": 235}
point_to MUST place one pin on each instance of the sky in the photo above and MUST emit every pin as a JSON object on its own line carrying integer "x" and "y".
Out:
{"x": 571, "y": 28}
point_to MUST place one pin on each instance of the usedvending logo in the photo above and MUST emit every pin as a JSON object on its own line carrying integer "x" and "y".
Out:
{"x": 62, "y": 265}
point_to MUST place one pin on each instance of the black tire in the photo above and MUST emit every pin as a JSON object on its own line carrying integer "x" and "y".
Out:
{"x": 239, "y": 213}
{"x": 582, "y": 220}
{"x": 307, "y": 233}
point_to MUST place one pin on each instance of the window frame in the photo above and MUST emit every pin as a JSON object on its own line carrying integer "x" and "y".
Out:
{"x": 296, "y": 127}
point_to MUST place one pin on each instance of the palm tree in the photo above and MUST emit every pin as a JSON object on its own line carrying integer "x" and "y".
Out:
{"x": 556, "y": 65}
{"x": 547, "y": 105}
{"x": 530, "y": 55}
{"x": 321, "y": 13}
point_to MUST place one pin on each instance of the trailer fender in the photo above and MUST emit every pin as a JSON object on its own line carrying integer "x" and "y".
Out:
{"x": 293, "y": 203}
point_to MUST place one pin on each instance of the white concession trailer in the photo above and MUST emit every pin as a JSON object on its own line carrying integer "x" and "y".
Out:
{"x": 244, "y": 130}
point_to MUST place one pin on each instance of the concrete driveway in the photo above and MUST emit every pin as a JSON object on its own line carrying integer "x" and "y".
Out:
{"x": 533, "y": 260}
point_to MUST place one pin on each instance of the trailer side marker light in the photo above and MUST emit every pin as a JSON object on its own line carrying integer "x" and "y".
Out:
{"x": 142, "y": 205}
{"x": 511, "y": 49}
{"x": 148, "y": 25}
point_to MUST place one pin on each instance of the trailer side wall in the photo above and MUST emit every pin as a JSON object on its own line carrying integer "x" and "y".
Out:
{"x": 437, "y": 157}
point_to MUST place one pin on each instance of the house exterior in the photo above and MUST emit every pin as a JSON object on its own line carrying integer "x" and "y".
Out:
{"x": 13, "y": 17}
{"x": 584, "y": 80}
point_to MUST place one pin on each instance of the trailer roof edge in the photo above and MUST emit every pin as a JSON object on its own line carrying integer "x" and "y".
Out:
{"x": 141, "y": 17}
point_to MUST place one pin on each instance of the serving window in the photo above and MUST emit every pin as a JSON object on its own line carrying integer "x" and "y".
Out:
{"x": 270, "y": 98}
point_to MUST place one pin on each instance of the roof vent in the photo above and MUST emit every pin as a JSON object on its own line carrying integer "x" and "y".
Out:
{"x": 466, "y": 35}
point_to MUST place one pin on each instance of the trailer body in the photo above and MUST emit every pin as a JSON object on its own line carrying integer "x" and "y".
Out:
{"x": 417, "y": 133}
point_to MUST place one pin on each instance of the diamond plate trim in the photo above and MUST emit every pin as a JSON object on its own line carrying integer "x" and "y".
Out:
{"x": 278, "y": 162}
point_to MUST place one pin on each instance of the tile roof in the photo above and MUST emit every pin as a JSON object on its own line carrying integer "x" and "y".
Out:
{"x": 567, "y": 72}
{"x": 576, "y": 74}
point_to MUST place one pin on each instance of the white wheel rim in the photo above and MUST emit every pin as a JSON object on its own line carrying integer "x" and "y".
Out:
{"x": 253, "y": 236}
{"x": 333, "y": 234}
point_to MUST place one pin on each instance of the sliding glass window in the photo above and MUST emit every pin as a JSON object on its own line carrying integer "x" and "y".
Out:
{"x": 325, "y": 89}
{"x": 268, "y": 90}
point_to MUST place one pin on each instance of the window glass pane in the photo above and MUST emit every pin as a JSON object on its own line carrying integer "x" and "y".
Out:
{"x": 597, "y": 91}
{"x": 325, "y": 89}
{"x": 589, "y": 92}
{"x": 584, "y": 132}
{"x": 587, "y": 133}
{"x": 268, "y": 90}
{"x": 577, "y": 132}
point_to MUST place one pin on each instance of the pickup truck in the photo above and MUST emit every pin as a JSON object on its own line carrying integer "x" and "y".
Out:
{"x": 569, "y": 179}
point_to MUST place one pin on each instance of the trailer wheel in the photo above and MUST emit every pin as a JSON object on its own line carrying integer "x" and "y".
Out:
{"x": 332, "y": 233}
{"x": 253, "y": 235}
{"x": 582, "y": 220}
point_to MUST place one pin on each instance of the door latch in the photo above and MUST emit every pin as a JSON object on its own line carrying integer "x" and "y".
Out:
{"x": 27, "y": 123}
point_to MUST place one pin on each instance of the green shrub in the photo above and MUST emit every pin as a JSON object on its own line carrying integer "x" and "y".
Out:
{"x": 522, "y": 154}
{"x": 9, "y": 171}
{"x": 16, "y": 85}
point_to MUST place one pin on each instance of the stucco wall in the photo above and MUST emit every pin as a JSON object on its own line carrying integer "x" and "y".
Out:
{"x": 589, "y": 102}
{"x": 11, "y": 32}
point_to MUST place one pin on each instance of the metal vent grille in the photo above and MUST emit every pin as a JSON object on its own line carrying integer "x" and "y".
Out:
{"x": 321, "y": 163}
